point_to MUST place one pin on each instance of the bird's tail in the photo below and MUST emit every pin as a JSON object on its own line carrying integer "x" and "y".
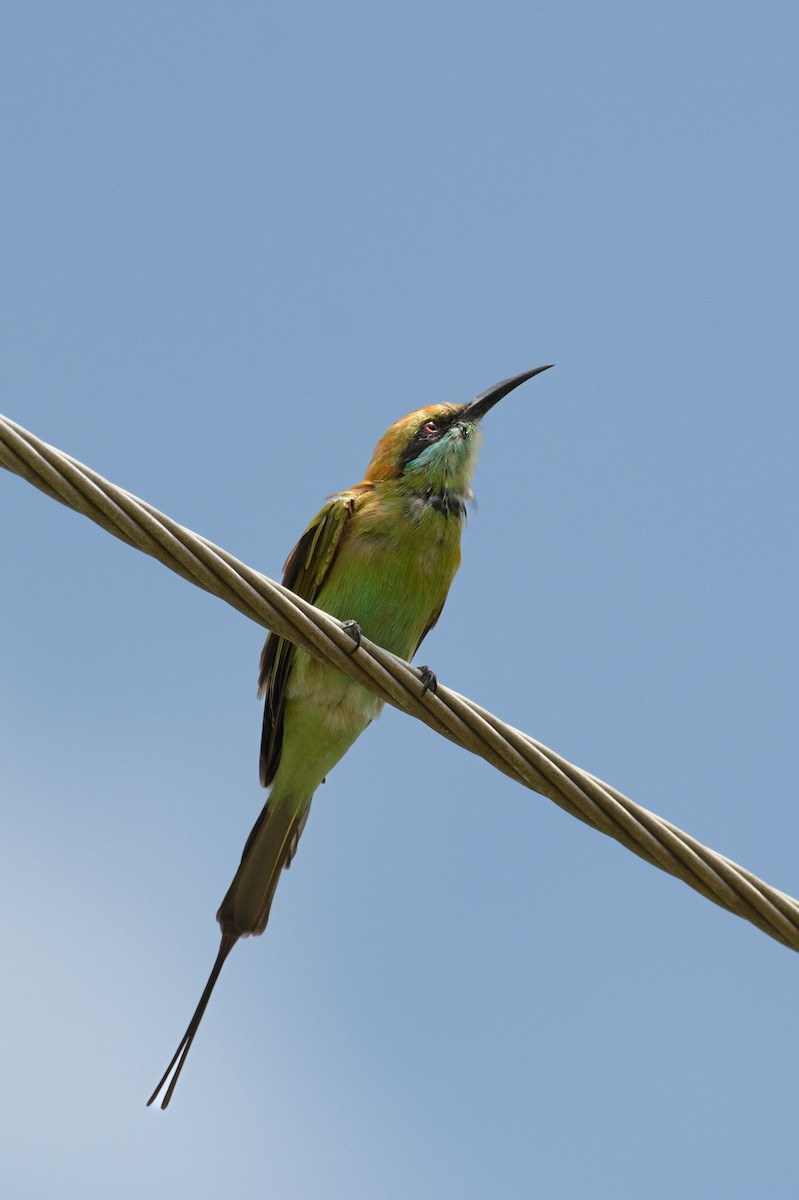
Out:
{"x": 270, "y": 847}
{"x": 245, "y": 909}
{"x": 179, "y": 1057}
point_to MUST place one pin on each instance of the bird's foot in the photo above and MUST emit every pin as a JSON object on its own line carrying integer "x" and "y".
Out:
{"x": 354, "y": 630}
{"x": 428, "y": 680}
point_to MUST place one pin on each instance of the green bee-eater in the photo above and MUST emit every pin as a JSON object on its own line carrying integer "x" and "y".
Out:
{"x": 380, "y": 556}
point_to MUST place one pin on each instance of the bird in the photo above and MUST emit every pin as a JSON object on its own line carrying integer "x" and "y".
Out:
{"x": 380, "y": 557}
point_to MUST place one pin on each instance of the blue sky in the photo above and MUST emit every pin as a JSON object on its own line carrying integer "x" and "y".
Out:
{"x": 239, "y": 242}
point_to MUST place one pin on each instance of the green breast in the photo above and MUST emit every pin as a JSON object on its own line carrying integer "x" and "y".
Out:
{"x": 397, "y": 559}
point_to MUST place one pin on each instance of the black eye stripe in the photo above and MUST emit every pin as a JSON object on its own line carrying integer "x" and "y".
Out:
{"x": 425, "y": 438}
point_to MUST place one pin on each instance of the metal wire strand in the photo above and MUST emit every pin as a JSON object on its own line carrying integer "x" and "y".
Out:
{"x": 455, "y": 717}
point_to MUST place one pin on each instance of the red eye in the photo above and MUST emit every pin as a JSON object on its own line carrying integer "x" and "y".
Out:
{"x": 430, "y": 427}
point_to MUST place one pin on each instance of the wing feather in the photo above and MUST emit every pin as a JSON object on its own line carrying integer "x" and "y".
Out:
{"x": 305, "y": 571}
{"x": 430, "y": 625}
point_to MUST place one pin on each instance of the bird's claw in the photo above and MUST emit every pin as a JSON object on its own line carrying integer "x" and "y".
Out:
{"x": 429, "y": 681}
{"x": 354, "y": 630}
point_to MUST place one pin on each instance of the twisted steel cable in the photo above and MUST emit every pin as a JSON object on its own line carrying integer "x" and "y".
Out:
{"x": 514, "y": 753}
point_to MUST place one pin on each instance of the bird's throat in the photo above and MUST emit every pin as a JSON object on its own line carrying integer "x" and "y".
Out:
{"x": 445, "y": 501}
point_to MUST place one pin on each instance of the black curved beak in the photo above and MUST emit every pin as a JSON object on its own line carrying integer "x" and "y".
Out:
{"x": 481, "y": 404}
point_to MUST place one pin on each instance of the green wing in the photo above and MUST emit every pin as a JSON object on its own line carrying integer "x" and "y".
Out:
{"x": 305, "y": 571}
{"x": 430, "y": 625}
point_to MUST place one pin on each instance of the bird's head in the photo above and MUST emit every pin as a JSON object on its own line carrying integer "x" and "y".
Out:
{"x": 437, "y": 445}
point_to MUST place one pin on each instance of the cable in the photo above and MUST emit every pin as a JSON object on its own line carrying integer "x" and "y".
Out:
{"x": 396, "y": 682}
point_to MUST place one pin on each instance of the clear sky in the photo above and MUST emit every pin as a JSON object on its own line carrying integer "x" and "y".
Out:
{"x": 240, "y": 240}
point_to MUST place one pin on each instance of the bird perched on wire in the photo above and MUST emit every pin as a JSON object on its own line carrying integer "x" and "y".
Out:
{"x": 380, "y": 557}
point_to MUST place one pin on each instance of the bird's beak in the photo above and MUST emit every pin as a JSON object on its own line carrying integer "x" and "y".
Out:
{"x": 480, "y": 406}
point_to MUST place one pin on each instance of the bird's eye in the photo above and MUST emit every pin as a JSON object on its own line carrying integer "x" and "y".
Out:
{"x": 430, "y": 427}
